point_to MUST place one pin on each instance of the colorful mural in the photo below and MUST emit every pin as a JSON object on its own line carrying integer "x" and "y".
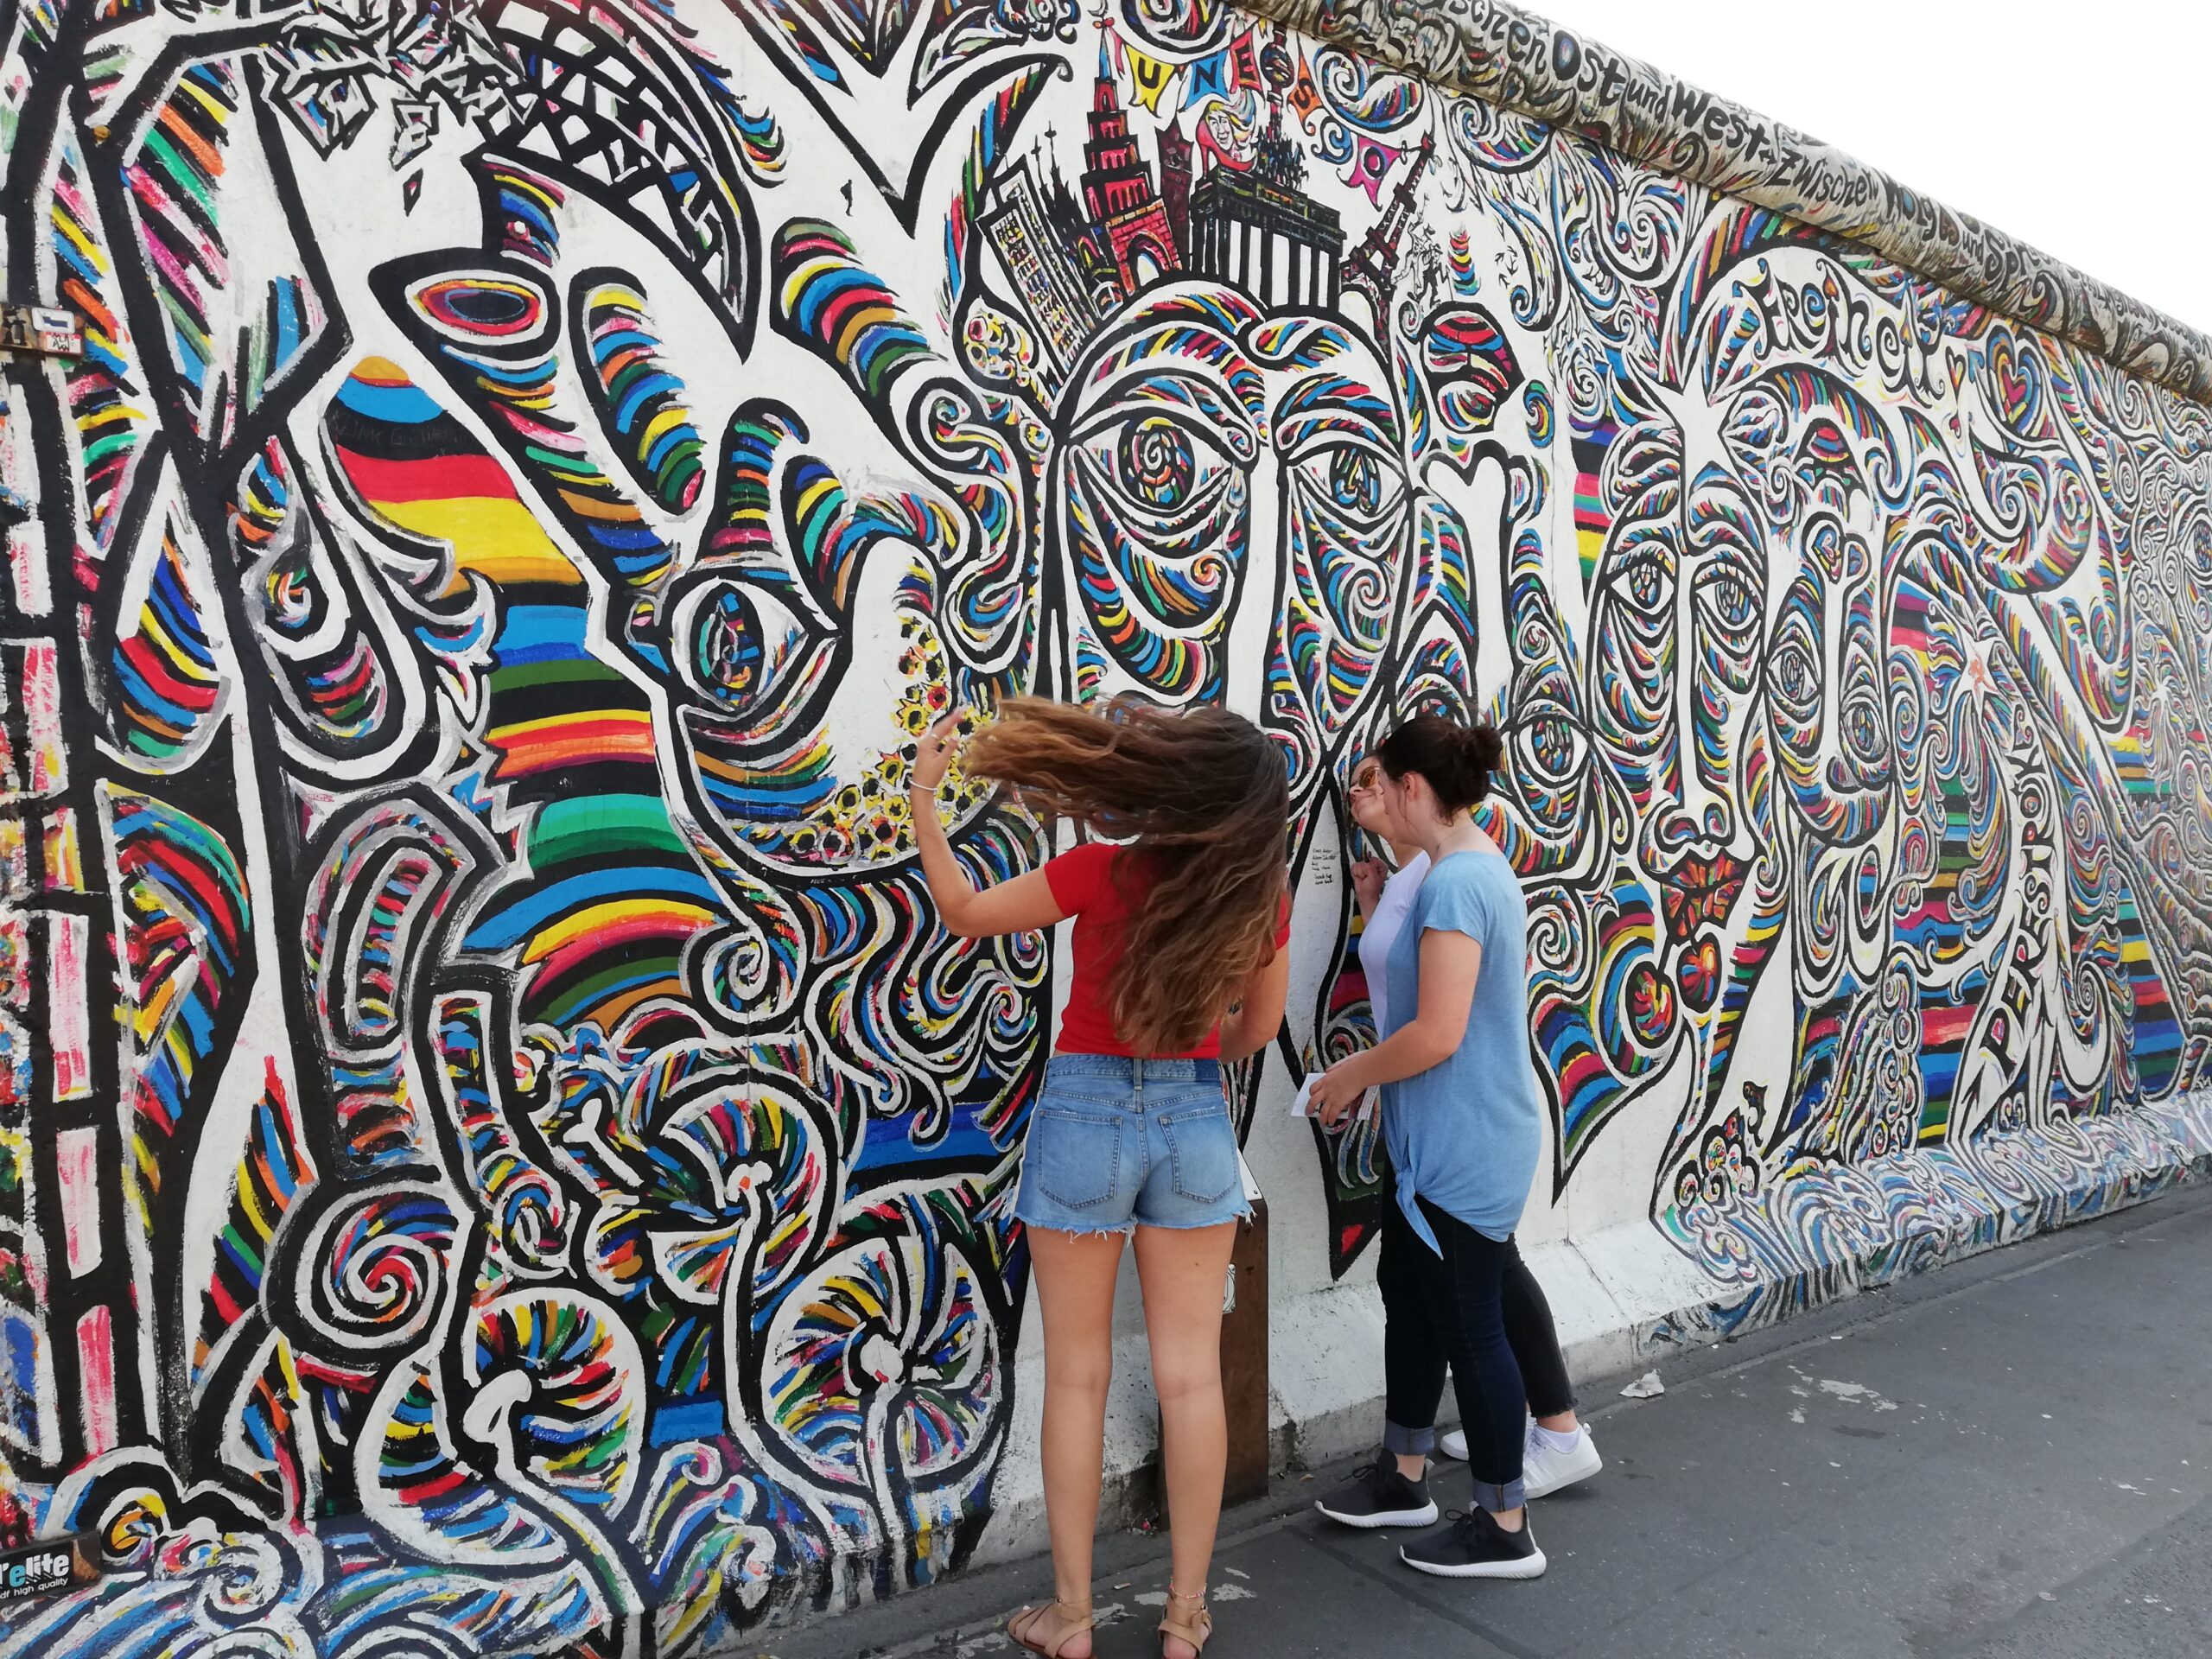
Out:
{"x": 1512, "y": 58}
{"x": 497, "y": 1155}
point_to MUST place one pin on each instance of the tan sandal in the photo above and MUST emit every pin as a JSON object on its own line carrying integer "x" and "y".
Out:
{"x": 1195, "y": 1629}
{"x": 1048, "y": 1629}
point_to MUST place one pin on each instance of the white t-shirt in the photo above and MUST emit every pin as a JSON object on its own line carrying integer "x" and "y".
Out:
{"x": 1391, "y": 909}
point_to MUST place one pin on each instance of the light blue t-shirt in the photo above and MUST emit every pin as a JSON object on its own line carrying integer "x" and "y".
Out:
{"x": 1466, "y": 1135}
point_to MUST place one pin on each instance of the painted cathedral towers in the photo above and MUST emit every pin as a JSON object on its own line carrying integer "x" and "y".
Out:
{"x": 1126, "y": 211}
{"x": 1074, "y": 255}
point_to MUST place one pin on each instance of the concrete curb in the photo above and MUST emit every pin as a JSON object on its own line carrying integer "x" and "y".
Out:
{"x": 973, "y": 1606}
{"x": 1631, "y": 1295}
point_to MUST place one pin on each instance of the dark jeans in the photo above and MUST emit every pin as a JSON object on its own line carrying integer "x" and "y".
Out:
{"x": 1479, "y": 1311}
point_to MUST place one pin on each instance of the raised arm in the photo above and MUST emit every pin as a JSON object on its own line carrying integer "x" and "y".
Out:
{"x": 1451, "y": 963}
{"x": 1021, "y": 905}
{"x": 1368, "y": 877}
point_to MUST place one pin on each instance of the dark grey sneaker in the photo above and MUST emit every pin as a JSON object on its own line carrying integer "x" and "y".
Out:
{"x": 1475, "y": 1546}
{"x": 1378, "y": 1496}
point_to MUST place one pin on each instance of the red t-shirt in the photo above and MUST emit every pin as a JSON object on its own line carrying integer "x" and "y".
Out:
{"x": 1083, "y": 883}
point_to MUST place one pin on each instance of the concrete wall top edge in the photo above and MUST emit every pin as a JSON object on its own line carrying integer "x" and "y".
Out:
{"x": 1512, "y": 57}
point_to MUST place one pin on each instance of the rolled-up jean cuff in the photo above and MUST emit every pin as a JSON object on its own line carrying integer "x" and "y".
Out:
{"x": 1401, "y": 1441}
{"x": 1495, "y": 1497}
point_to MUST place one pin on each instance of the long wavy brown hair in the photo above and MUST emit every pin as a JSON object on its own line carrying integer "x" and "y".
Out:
{"x": 1204, "y": 799}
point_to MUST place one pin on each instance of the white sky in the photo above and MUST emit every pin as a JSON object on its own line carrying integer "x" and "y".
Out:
{"x": 2079, "y": 127}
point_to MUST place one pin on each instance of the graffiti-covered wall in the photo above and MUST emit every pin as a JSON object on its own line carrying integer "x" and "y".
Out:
{"x": 494, "y": 1143}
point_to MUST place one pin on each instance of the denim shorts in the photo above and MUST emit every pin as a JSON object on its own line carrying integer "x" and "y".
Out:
{"x": 1116, "y": 1143}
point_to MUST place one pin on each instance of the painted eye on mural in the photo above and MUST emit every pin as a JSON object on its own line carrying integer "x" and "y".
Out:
{"x": 1727, "y": 633}
{"x": 1728, "y": 592}
{"x": 1862, "y": 727}
{"x": 1647, "y": 582}
{"x": 1727, "y": 606}
{"x": 1639, "y": 579}
{"x": 1549, "y": 751}
{"x": 1156, "y": 462}
{"x": 741, "y": 640}
{"x": 1860, "y": 710}
{"x": 1727, "y": 602}
{"x": 1793, "y": 675}
{"x": 482, "y": 306}
{"x": 1354, "y": 480}
{"x": 1159, "y": 466}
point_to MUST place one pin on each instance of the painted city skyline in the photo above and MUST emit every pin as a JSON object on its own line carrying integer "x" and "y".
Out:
{"x": 1075, "y": 253}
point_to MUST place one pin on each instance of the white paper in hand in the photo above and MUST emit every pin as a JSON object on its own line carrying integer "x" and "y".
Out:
{"x": 1301, "y": 1105}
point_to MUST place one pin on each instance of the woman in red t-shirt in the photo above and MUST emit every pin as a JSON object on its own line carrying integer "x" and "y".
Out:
{"x": 1179, "y": 965}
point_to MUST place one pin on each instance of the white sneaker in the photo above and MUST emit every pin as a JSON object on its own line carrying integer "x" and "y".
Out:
{"x": 1454, "y": 1443}
{"x": 1545, "y": 1471}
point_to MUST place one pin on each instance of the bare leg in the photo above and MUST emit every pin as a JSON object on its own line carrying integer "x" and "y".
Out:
{"x": 1184, "y": 1273}
{"x": 1074, "y": 1294}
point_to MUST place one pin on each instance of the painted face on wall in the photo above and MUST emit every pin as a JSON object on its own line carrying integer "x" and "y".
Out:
{"x": 1225, "y": 467}
{"x": 760, "y": 646}
{"x": 1739, "y": 700}
{"x": 1347, "y": 534}
{"x": 1676, "y": 615}
{"x": 1634, "y": 755}
{"x": 1160, "y": 438}
{"x": 1831, "y": 479}
{"x": 1232, "y": 484}
{"x": 742, "y": 574}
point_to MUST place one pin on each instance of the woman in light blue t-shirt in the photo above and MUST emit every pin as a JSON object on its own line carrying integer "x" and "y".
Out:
{"x": 1559, "y": 1452}
{"x": 1463, "y": 1122}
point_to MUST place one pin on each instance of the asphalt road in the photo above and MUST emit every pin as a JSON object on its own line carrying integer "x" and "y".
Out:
{"x": 2010, "y": 1457}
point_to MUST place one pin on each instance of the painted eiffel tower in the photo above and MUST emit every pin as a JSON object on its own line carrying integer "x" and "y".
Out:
{"x": 1372, "y": 267}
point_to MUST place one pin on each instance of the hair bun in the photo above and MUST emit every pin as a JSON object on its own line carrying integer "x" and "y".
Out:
{"x": 1484, "y": 749}
{"x": 1456, "y": 760}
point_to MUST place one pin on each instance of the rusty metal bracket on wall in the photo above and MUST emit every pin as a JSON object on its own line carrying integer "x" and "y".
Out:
{"x": 32, "y": 331}
{"x": 40, "y": 331}
{"x": 1244, "y": 1381}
